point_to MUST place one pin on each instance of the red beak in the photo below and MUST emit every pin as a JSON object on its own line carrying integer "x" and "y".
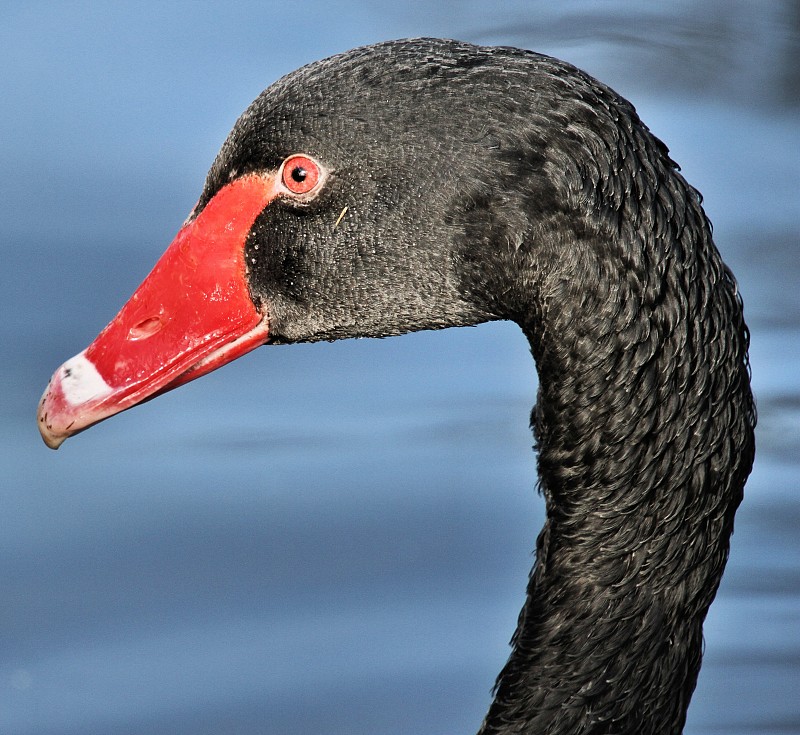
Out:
{"x": 192, "y": 314}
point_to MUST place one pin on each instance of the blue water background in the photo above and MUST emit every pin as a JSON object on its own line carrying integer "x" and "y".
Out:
{"x": 335, "y": 538}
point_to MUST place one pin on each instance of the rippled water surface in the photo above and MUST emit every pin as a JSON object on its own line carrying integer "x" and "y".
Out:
{"x": 335, "y": 538}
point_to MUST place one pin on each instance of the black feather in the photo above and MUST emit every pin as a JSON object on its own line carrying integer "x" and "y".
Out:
{"x": 492, "y": 183}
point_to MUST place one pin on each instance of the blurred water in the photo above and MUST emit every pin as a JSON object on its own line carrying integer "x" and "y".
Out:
{"x": 335, "y": 538}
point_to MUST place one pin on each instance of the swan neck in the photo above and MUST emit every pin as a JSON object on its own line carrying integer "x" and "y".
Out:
{"x": 644, "y": 432}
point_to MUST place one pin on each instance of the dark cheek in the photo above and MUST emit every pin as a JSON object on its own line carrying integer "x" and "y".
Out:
{"x": 276, "y": 259}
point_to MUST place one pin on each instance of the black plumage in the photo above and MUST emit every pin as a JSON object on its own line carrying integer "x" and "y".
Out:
{"x": 494, "y": 183}
{"x": 467, "y": 184}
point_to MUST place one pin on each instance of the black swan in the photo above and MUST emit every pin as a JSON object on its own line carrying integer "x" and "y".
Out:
{"x": 425, "y": 184}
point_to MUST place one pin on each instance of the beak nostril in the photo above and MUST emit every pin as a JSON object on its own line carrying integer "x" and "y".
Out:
{"x": 146, "y": 328}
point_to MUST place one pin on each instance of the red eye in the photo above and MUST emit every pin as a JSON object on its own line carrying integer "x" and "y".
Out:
{"x": 300, "y": 174}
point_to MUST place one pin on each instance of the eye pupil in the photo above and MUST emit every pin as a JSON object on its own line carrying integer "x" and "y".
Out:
{"x": 299, "y": 174}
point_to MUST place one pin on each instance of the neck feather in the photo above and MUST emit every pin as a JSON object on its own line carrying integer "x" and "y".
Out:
{"x": 644, "y": 428}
